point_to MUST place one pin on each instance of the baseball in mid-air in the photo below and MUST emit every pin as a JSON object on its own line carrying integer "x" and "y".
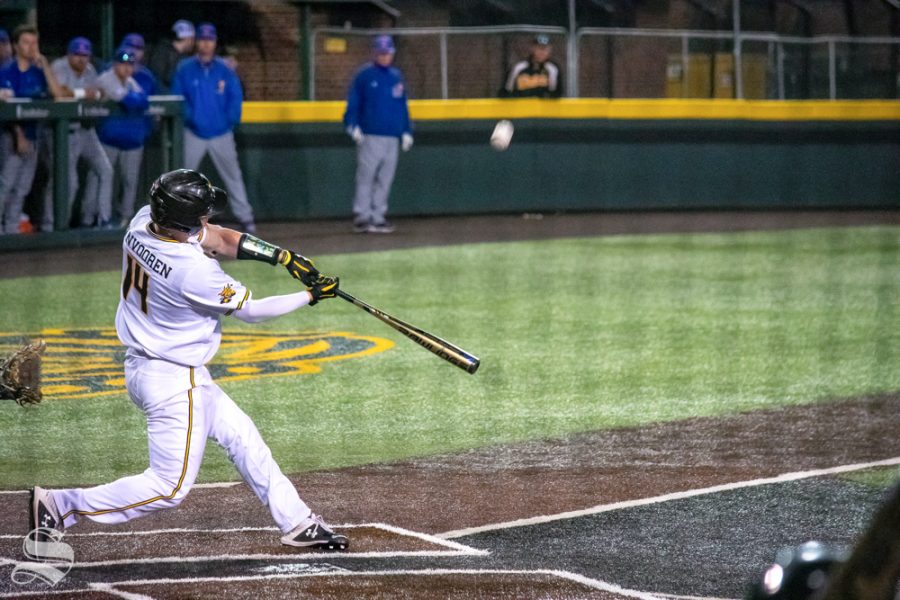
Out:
{"x": 502, "y": 135}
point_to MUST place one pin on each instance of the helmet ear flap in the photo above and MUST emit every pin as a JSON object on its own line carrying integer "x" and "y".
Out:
{"x": 219, "y": 201}
{"x": 180, "y": 199}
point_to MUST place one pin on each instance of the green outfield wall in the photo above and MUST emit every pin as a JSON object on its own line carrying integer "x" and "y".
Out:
{"x": 585, "y": 155}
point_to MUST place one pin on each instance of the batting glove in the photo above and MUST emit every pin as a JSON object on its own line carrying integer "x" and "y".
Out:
{"x": 406, "y": 142}
{"x": 300, "y": 268}
{"x": 356, "y": 134}
{"x": 324, "y": 287}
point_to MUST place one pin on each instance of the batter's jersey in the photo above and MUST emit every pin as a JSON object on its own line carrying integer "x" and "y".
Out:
{"x": 172, "y": 296}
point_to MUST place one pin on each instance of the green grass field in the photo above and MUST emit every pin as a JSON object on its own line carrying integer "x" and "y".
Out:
{"x": 574, "y": 335}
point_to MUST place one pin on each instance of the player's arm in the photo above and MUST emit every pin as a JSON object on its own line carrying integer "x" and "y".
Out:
{"x": 254, "y": 311}
{"x": 223, "y": 242}
{"x": 57, "y": 90}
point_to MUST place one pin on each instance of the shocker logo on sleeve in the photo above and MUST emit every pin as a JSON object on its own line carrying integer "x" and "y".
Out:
{"x": 226, "y": 294}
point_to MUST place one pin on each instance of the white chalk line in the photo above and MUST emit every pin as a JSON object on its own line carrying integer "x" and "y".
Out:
{"x": 676, "y": 597}
{"x": 456, "y": 546}
{"x": 602, "y": 508}
{"x": 574, "y": 577}
{"x": 453, "y": 549}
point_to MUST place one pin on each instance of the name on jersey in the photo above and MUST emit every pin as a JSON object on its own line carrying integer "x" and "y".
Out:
{"x": 146, "y": 256}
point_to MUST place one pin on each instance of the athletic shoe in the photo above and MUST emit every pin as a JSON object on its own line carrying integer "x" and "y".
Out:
{"x": 360, "y": 227}
{"x": 383, "y": 227}
{"x": 25, "y": 225}
{"x": 43, "y": 512}
{"x": 313, "y": 532}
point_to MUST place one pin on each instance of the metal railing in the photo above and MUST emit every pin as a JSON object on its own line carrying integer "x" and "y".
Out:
{"x": 441, "y": 33}
{"x": 794, "y": 67}
{"x": 58, "y": 114}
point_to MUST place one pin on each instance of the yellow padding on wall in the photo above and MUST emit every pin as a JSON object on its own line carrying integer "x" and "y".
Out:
{"x": 592, "y": 108}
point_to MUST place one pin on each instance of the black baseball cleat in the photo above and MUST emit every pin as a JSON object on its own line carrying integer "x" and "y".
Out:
{"x": 382, "y": 227}
{"x": 315, "y": 534}
{"x": 43, "y": 513}
{"x": 360, "y": 226}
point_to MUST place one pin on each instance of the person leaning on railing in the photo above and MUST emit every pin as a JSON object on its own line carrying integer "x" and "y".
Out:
{"x": 28, "y": 76}
{"x": 123, "y": 135}
{"x": 535, "y": 76}
{"x": 78, "y": 79}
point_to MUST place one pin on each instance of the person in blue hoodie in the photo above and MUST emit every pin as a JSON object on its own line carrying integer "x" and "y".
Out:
{"x": 377, "y": 119}
{"x": 212, "y": 109}
{"x": 123, "y": 135}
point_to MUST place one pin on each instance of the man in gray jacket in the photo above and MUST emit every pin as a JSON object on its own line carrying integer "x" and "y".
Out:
{"x": 78, "y": 78}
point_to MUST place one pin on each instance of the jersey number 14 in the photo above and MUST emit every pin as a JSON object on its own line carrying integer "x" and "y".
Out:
{"x": 135, "y": 277}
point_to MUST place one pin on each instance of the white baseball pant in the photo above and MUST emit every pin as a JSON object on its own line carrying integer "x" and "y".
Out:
{"x": 184, "y": 407}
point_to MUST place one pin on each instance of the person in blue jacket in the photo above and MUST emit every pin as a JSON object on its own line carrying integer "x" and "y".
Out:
{"x": 212, "y": 109}
{"x": 377, "y": 119}
{"x": 123, "y": 135}
{"x": 28, "y": 76}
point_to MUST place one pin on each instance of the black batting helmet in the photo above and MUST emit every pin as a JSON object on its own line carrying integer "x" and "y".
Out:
{"x": 180, "y": 198}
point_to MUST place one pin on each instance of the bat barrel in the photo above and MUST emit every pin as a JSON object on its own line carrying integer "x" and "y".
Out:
{"x": 449, "y": 352}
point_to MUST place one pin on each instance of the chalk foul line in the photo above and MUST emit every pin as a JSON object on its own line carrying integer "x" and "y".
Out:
{"x": 602, "y": 508}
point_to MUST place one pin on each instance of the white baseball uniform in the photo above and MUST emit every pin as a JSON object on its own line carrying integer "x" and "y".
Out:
{"x": 171, "y": 302}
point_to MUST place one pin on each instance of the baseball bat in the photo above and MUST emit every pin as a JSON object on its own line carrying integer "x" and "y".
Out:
{"x": 449, "y": 352}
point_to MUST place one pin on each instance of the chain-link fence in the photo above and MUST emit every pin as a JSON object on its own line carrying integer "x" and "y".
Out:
{"x": 470, "y": 62}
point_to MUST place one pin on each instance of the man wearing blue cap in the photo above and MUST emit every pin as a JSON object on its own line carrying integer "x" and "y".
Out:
{"x": 212, "y": 109}
{"x": 78, "y": 78}
{"x": 123, "y": 136}
{"x": 28, "y": 76}
{"x": 134, "y": 42}
{"x": 377, "y": 119}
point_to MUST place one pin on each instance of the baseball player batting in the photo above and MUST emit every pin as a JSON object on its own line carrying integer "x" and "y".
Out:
{"x": 174, "y": 294}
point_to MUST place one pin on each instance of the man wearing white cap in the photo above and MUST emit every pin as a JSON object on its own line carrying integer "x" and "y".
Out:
{"x": 165, "y": 58}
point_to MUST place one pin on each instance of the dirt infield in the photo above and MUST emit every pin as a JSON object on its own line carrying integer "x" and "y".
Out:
{"x": 473, "y": 522}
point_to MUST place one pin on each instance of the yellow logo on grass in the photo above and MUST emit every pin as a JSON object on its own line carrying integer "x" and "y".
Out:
{"x": 81, "y": 363}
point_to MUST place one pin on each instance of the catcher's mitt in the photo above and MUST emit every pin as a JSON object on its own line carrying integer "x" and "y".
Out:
{"x": 20, "y": 374}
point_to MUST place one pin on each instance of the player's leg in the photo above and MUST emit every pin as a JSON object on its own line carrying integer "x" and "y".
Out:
{"x": 194, "y": 149}
{"x": 177, "y": 428}
{"x": 20, "y": 185}
{"x": 232, "y": 429}
{"x": 8, "y": 174}
{"x": 100, "y": 166}
{"x": 367, "y": 164}
{"x": 223, "y": 152}
{"x": 389, "y": 149}
{"x": 129, "y": 171}
{"x": 88, "y": 205}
